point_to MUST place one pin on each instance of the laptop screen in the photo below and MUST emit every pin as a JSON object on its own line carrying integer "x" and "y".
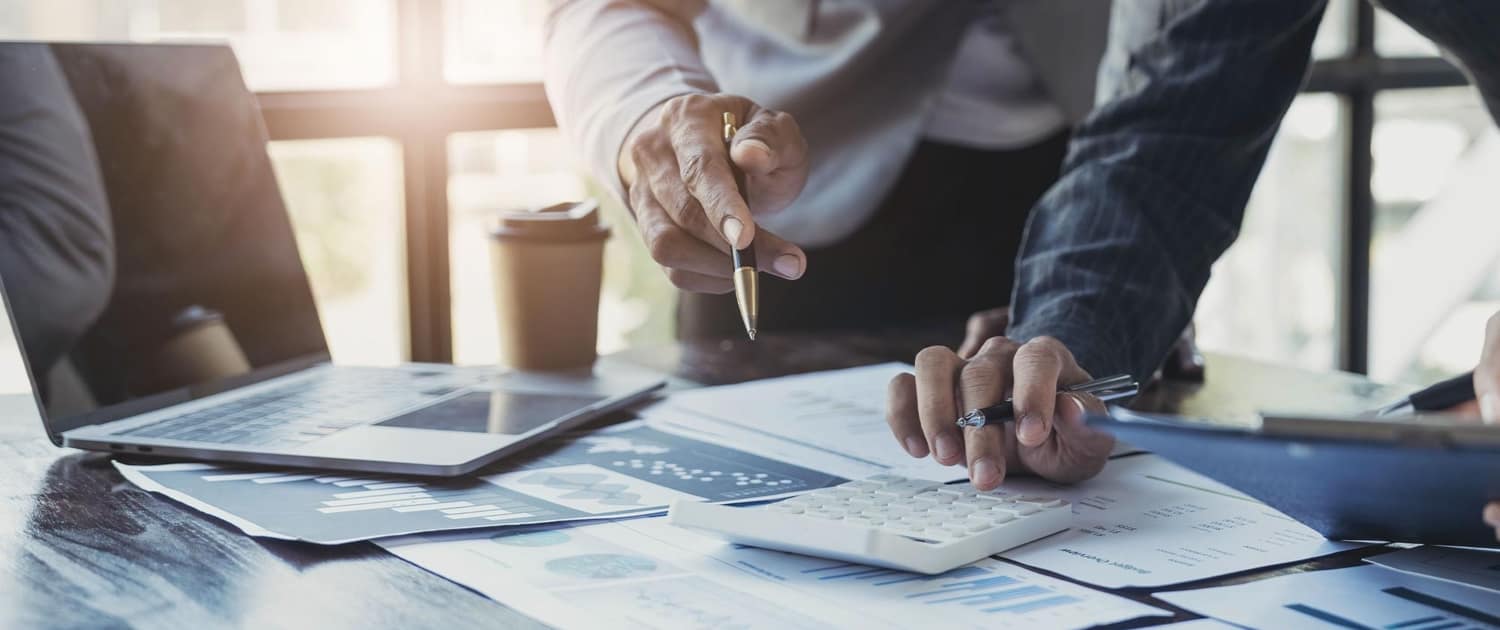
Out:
{"x": 145, "y": 252}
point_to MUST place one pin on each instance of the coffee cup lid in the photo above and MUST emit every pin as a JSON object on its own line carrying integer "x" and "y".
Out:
{"x": 561, "y": 222}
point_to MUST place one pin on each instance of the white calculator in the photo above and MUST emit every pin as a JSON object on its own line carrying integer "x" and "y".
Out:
{"x": 886, "y": 521}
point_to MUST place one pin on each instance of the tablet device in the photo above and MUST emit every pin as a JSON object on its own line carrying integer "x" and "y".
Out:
{"x": 1421, "y": 480}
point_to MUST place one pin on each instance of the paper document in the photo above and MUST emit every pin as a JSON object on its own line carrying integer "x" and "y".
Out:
{"x": 645, "y": 573}
{"x": 1478, "y": 568}
{"x": 840, "y": 414}
{"x": 1147, "y": 522}
{"x": 1360, "y": 597}
{"x": 629, "y": 469}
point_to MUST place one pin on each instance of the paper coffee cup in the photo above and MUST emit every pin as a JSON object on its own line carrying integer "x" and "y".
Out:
{"x": 547, "y": 266}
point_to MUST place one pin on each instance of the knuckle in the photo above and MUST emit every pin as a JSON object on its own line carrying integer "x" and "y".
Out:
{"x": 997, "y": 345}
{"x": 694, "y": 166}
{"x": 680, "y": 279}
{"x": 981, "y": 372}
{"x": 933, "y": 357}
{"x": 663, "y": 243}
{"x": 902, "y": 383}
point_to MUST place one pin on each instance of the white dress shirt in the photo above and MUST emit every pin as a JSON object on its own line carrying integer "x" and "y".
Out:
{"x": 865, "y": 79}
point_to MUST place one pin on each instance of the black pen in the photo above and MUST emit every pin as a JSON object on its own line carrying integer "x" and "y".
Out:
{"x": 1105, "y": 389}
{"x": 1439, "y": 396}
{"x": 746, "y": 284}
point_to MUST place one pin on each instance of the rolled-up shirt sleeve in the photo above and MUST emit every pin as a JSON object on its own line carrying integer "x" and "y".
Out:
{"x": 1157, "y": 178}
{"x": 609, "y": 62}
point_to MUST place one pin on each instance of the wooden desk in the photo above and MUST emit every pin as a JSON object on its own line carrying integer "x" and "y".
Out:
{"x": 83, "y": 548}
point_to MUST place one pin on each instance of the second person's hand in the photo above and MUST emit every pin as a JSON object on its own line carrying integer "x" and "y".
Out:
{"x": 1050, "y": 438}
{"x": 681, "y": 190}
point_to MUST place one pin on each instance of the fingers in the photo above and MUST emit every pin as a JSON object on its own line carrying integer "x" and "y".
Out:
{"x": 1037, "y": 367}
{"x": 774, "y": 254}
{"x": 779, "y": 256}
{"x": 901, "y": 415}
{"x": 1085, "y": 448}
{"x": 670, "y": 245}
{"x": 1487, "y": 373}
{"x": 982, "y": 326}
{"x": 773, "y": 154}
{"x": 937, "y": 407}
{"x": 703, "y": 166}
{"x": 768, "y": 142}
{"x": 982, "y": 382}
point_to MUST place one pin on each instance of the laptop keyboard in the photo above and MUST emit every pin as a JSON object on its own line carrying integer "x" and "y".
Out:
{"x": 307, "y": 410}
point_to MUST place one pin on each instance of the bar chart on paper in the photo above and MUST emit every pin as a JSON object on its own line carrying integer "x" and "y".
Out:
{"x": 987, "y": 594}
{"x": 628, "y": 470}
{"x": 659, "y": 576}
{"x": 1365, "y": 597}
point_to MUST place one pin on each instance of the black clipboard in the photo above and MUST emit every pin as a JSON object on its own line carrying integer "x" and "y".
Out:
{"x": 1422, "y": 480}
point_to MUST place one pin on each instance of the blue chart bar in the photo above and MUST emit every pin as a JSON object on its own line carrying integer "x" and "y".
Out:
{"x": 885, "y": 577}
{"x": 971, "y": 585}
{"x": 961, "y": 572}
{"x": 1415, "y": 622}
{"x": 1039, "y": 604}
{"x": 979, "y": 599}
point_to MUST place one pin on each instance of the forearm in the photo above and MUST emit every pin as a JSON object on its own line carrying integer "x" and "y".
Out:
{"x": 1157, "y": 178}
{"x": 611, "y": 61}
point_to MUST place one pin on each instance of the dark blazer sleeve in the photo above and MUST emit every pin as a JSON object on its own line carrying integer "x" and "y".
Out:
{"x": 56, "y": 248}
{"x": 1157, "y": 177}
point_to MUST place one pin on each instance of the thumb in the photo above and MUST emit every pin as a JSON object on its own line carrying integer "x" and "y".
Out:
{"x": 770, "y": 141}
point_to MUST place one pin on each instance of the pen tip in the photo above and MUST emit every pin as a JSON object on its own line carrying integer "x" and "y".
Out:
{"x": 751, "y": 332}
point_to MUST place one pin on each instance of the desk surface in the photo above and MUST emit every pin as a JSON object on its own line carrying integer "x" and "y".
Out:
{"x": 82, "y": 547}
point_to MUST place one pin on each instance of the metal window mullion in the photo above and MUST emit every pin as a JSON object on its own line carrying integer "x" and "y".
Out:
{"x": 425, "y": 162}
{"x": 1359, "y": 216}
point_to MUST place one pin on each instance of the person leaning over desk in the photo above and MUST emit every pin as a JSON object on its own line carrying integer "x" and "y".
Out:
{"x": 901, "y": 142}
{"x": 1152, "y": 192}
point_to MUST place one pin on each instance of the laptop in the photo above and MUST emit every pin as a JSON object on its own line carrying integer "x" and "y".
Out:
{"x": 155, "y": 286}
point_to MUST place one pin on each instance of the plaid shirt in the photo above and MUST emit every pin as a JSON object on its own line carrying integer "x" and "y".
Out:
{"x": 1155, "y": 183}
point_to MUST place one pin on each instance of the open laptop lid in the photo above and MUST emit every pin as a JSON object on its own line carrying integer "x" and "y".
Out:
{"x": 146, "y": 255}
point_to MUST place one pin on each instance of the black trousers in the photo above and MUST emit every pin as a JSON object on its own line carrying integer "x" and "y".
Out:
{"x": 941, "y": 246}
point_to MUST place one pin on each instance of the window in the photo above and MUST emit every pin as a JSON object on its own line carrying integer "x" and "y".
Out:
{"x": 281, "y": 44}
{"x": 401, "y": 126}
{"x": 1436, "y": 155}
{"x": 344, "y": 197}
{"x": 493, "y": 41}
{"x": 1271, "y": 295}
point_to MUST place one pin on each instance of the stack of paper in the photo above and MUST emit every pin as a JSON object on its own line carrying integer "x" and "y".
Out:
{"x": 1143, "y": 522}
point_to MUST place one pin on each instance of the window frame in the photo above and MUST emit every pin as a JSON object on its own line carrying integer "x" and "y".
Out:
{"x": 422, "y": 109}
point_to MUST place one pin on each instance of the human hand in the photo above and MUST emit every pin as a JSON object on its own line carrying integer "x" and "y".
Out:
{"x": 1492, "y": 517}
{"x": 1051, "y": 438}
{"x": 676, "y": 170}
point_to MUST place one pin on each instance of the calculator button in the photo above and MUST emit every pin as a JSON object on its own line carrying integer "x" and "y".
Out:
{"x": 817, "y": 513}
{"x": 861, "y": 486}
{"x": 1040, "y": 501}
{"x": 886, "y": 479}
{"x": 1000, "y": 518}
{"x": 1020, "y": 509}
{"x": 975, "y": 527}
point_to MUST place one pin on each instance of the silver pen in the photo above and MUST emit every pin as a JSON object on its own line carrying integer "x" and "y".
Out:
{"x": 1105, "y": 389}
